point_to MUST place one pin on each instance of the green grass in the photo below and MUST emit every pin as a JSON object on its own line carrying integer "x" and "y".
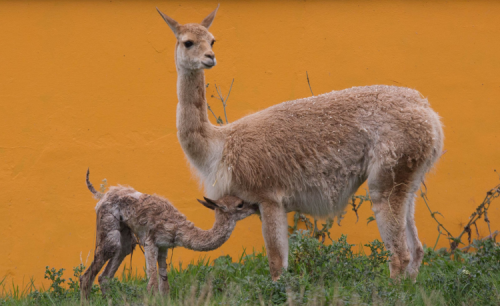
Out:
{"x": 318, "y": 274}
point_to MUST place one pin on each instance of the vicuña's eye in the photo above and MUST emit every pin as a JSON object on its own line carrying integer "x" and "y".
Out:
{"x": 188, "y": 44}
{"x": 213, "y": 42}
{"x": 240, "y": 205}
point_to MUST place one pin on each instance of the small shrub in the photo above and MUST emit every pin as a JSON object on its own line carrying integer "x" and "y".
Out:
{"x": 336, "y": 273}
{"x": 55, "y": 277}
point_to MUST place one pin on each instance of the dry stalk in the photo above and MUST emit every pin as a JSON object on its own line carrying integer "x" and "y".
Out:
{"x": 307, "y": 75}
{"x": 480, "y": 211}
{"x": 361, "y": 199}
{"x": 492, "y": 236}
{"x": 224, "y": 103}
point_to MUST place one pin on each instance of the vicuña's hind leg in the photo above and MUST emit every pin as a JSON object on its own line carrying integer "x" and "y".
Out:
{"x": 104, "y": 251}
{"x": 414, "y": 244}
{"x": 127, "y": 243}
{"x": 107, "y": 245}
{"x": 87, "y": 279}
{"x": 275, "y": 232}
{"x": 389, "y": 191}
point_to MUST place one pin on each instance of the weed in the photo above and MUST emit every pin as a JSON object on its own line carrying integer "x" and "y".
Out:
{"x": 74, "y": 285}
{"x": 318, "y": 274}
{"x": 55, "y": 277}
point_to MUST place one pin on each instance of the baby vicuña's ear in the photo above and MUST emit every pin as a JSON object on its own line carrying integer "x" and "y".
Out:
{"x": 207, "y": 204}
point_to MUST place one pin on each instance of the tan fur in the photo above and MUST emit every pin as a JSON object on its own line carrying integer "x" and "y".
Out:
{"x": 310, "y": 155}
{"x": 124, "y": 213}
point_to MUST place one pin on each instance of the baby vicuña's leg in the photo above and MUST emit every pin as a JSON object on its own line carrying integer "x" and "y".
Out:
{"x": 127, "y": 243}
{"x": 87, "y": 279}
{"x": 108, "y": 245}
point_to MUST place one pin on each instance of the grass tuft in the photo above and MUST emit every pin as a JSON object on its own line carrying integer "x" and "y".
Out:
{"x": 318, "y": 274}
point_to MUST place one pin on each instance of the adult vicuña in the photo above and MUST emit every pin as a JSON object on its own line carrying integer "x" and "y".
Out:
{"x": 123, "y": 212}
{"x": 310, "y": 155}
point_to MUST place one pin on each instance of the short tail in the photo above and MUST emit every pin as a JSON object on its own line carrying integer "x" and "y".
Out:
{"x": 97, "y": 194}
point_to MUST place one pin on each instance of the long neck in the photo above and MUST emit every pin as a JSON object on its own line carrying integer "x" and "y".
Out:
{"x": 194, "y": 238}
{"x": 194, "y": 130}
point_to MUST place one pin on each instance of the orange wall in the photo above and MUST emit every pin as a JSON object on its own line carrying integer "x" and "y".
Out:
{"x": 92, "y": 84}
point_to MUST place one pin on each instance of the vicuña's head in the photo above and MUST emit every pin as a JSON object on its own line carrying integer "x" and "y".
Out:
{"x": 193, "y": 50}
{"x": 233, "y": 207}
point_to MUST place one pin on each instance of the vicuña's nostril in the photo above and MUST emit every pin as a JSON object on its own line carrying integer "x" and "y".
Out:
{"x": 210, "y": 56}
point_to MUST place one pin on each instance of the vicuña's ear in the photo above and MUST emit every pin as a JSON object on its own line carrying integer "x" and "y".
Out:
{"x": 174, "y": 25}
{"x": 207, "y": 205}
{"x": 207, "y": 22}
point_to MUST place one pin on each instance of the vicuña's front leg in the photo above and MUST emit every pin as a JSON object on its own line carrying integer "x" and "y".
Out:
{"x": 151, "y": 253}
{"x": 275, "y": 232}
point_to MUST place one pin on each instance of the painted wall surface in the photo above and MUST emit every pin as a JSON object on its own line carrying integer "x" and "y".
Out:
{"x": 93, "y": 84}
